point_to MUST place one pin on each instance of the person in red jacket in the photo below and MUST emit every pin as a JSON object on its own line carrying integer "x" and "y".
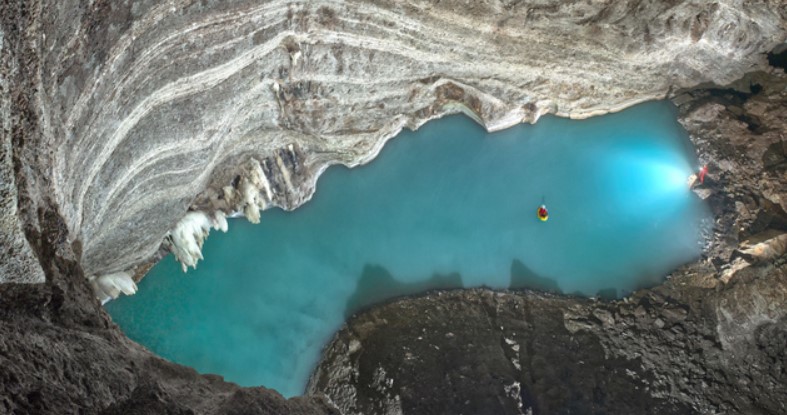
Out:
{"x": 703, "y": 172}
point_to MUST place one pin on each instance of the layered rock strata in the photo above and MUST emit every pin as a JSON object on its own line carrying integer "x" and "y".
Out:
{"x": 145, "y": 110}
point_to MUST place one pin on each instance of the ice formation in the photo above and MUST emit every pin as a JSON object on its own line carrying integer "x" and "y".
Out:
{"x": 186, "y": 239}
{"x": 110, "y": 286}
{"x": 244, "y": 195}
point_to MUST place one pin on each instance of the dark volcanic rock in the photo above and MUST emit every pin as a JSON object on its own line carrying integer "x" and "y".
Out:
{"x": 670, "y": 350}
{"x": 739, "y": 132}
{"x": 479, "y": 352}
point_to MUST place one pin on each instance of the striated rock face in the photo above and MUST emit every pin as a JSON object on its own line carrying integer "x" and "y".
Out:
{"x": 139, "y": 107}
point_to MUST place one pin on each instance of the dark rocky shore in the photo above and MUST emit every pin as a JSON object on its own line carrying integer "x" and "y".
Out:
{"x": 661, "y": 351}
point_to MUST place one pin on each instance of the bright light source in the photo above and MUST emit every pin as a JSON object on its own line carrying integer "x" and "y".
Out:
{"x": 642, "y": 182}
{"x": 664, "y": 177}
{"x": 674, "y": 178}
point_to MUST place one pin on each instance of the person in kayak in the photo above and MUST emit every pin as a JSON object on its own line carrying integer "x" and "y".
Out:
{"x": 543, "y": 213}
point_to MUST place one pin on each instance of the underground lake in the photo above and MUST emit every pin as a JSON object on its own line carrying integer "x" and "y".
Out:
{"x": 447, "y": 206}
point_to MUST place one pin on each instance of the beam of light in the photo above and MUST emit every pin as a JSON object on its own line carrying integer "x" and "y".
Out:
{"x": 651, "y": 185}
{"x": 667, "y": 178}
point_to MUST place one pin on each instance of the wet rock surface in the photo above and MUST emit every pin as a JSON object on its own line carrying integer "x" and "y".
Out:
{"x": 739, "y": 133}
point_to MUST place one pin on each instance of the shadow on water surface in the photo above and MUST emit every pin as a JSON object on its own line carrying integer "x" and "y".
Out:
{"x": 377, "y": 285}
{"x": 522, "y": 277}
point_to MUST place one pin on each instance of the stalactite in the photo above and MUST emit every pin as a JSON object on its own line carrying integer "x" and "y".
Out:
{"x": 186, "y": 239}
{"x": 110, "y": 286}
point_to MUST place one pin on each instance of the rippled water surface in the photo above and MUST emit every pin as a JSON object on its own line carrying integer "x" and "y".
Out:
{"x": 446, "y": 206}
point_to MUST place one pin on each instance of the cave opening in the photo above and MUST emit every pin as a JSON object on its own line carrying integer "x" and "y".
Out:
{"x": 778, "y": 57}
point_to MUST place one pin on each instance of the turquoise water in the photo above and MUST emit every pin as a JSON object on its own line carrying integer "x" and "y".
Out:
{"x": 446, "y": 206}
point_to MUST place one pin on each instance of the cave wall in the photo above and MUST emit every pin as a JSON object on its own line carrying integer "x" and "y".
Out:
{"x": 139, "y": 107}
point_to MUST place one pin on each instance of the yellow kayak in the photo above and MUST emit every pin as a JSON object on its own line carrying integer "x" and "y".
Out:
{"x": 542, "y": 213}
